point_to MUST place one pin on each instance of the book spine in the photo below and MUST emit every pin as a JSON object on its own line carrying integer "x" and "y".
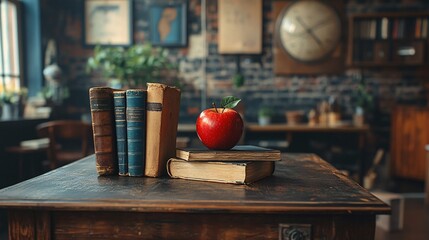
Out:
{"x": 136, "y": 130}
{"x": 103, "y": 126}
{"x": 121, "y": 131}
{"x": 163, "y": 105}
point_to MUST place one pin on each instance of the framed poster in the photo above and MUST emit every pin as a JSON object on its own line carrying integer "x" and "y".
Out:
{"x": 240, "y": 26}
{"x": 167, "y": 24}
{"x": 107, "y": 22}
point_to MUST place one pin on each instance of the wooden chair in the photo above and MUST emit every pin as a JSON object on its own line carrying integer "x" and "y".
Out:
{"x": 69, "y": 140}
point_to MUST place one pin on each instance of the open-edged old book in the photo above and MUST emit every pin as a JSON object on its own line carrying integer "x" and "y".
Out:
{"x": 222, "y": 172}
{"x": 237, "y": 153}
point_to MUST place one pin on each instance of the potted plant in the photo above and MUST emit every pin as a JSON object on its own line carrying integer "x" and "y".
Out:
{"x": 363, "y": 104}
{"x": 10, "y": 101}
{"x": 133, "y": 66}
{"x": 264, "y": 115}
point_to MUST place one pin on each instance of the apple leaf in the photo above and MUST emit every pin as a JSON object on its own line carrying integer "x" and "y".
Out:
{"x": 230, "y": 102}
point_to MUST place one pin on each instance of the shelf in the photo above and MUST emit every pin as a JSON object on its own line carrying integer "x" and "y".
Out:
{"x": 390, "y": 39}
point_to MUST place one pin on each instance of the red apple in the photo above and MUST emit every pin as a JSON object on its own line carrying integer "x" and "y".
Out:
{"x": 219, "y": 128}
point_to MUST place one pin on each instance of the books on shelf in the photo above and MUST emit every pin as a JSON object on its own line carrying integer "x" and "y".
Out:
{"x": 103, "y": 127}
{"x": 383, "y": 28}
{"x": 221, "y": 172}
{"x": 237, "y": 153}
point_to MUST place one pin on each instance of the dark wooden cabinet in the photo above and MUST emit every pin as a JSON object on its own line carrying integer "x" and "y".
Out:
{"x": 410, "y": 135}
{"x": 306, "y": 196}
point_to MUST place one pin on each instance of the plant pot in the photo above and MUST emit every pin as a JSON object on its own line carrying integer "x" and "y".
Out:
{"x": 9, "y": 111}
{"x": 294, "y": 117}
{"x": 359, "y": 116}
{"x": 264, "y": 120}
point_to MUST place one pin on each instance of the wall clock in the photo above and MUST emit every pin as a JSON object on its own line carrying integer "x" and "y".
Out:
{"x": 308, "y": 37}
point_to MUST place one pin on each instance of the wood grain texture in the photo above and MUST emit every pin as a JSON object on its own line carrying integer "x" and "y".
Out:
{"x": 21, "y": 225}
{"x": 72, "y": 202}
{"x": 43, "y": 225}
{"x": 300, "y": 183}
{"x": 113, "y": 225}
{"x": 410, "y": 135}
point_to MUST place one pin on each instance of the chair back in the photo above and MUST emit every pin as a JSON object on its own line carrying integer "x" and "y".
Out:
{"x": 68, "y": 140}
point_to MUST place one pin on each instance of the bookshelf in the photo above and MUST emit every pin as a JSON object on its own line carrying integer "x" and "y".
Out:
{"x": 388, "y": 40}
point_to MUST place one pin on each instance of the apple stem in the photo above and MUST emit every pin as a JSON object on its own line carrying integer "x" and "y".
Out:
{"x": 214, "y": 105}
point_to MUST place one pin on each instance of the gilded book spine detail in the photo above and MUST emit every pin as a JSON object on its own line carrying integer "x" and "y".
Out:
{"x": 103, "y": 125}
{"x": 121, "y": 131}
{"x": 136, "y": 130}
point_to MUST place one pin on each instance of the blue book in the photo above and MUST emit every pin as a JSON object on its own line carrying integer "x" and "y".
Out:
{"x": 119, "y": 103}
{"x": 136, "y": 130}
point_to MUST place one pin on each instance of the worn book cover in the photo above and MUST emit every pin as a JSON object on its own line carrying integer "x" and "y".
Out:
{"x": 119, "y": 102}
{"x": 222, "y": 172}
{"x": 163, "y": 106}
{"x": 237, "y": 153}
{"x": 103, "y": 126}
{"x": 136, "y": 130}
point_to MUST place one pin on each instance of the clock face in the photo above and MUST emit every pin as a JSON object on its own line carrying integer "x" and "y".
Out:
{"x": 309, "y": 30}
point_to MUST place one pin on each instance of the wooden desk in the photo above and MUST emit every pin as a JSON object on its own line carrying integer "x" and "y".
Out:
{"x": 305, "y": 193}
{"x": 290, "y": 129}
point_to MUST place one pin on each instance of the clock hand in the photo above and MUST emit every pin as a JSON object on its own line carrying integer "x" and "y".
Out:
{"x": 321, "y": 23}
{"x": 312, "y": 28}
{"x": 309, "y": 31}
{"x": 316, "y": 38}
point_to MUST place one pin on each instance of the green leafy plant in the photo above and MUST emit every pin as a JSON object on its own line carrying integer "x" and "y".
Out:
{"x": 265, "y": 112}
{"x": 12, "y": 97}
{"x": 362, "y": 96}
{"x": 238, "y": 80}
{"x": 134, "y": 66}
{"x": 54, "y": 95}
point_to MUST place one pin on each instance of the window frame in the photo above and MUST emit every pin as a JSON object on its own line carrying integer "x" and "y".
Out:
{"x": 20, "y": 76}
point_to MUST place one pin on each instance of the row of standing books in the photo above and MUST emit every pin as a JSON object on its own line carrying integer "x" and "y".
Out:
{"x": 385, "y": 28}
{"x": 243, "y": 164}
{"x": 134, "y": 130}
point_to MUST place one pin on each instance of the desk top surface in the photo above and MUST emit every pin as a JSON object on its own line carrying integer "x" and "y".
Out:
{"x": 302, "y": 183}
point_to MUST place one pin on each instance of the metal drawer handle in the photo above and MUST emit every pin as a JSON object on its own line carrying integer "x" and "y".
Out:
{"x": 295, "y": 232}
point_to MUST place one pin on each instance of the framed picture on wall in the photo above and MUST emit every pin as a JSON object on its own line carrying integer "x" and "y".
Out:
{"x": 107, "y": 22}
{"x": 167, "y": 24}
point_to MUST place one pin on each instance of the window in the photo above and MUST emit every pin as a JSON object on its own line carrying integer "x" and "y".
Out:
{"x": 10, "y": 62}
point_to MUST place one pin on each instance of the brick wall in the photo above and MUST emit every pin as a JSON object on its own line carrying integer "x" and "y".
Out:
{"x": 261, "y": 87}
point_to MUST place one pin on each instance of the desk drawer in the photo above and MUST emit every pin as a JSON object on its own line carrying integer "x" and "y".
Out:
{"x": 116, "y": 225}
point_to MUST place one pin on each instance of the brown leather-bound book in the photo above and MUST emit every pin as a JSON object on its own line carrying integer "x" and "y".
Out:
{"x": 163, "y": 104}
{"x": 222, "y": 172}
{"x": 103, "y": 126}
{"x": 237, "y": 153}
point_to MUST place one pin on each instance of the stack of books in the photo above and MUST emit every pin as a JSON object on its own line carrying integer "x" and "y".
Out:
{"x": 134, "y": 130}
{"x": 243, "y": 164}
